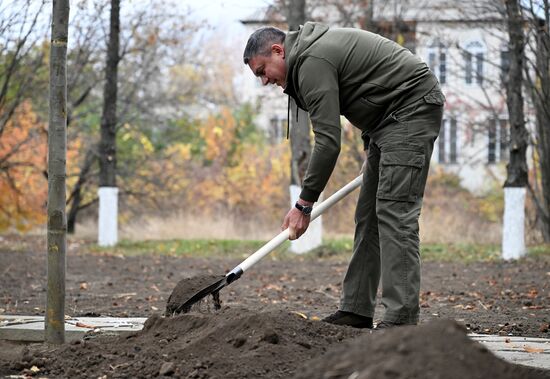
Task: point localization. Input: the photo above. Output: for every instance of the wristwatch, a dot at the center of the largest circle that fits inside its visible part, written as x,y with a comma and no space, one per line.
305,209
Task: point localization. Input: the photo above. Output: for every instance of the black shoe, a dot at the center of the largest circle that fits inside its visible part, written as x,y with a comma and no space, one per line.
350,319
388,325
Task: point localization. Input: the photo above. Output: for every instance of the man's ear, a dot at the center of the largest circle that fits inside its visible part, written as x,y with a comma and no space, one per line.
278,49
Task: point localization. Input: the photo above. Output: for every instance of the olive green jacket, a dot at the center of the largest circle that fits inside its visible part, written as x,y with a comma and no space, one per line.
349,72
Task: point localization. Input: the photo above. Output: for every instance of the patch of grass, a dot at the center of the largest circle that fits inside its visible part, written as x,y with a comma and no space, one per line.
191,247
539,251
434,252
340,248
460,252
337,248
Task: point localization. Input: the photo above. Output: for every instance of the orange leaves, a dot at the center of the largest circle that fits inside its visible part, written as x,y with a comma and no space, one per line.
233,171
219,134
23,186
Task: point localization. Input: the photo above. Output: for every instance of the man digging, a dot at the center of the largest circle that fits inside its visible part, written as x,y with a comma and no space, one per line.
394,99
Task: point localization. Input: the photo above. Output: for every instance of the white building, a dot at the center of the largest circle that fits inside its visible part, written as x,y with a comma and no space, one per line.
465,45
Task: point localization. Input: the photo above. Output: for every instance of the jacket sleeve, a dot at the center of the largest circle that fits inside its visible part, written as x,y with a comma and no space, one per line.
318,87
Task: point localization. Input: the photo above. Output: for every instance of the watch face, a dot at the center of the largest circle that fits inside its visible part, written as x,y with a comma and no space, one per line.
305,209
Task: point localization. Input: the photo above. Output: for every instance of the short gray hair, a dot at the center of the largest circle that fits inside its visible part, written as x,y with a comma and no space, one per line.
259,42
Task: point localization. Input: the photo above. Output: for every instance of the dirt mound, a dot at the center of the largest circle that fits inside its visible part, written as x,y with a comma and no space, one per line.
232,343
241,343
439,349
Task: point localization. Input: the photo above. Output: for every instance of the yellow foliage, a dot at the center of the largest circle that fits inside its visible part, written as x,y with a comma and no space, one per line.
23,186
229,175
181,150
219,133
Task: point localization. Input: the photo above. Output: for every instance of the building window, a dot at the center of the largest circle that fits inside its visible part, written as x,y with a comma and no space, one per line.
447,144
277,129
498,141
474,56
437,61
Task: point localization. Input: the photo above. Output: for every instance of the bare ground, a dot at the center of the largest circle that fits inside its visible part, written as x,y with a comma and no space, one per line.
267,304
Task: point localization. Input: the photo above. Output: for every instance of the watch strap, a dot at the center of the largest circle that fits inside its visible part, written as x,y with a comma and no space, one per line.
305,209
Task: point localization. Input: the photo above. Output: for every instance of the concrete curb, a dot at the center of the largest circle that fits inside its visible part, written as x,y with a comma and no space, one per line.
31,328
526,351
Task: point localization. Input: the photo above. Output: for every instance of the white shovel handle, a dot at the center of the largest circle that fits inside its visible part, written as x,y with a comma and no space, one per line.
283,236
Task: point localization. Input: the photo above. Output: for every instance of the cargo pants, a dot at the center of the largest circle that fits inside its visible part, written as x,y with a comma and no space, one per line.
386,242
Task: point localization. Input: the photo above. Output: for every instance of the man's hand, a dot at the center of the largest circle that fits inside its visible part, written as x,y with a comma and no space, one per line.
296,221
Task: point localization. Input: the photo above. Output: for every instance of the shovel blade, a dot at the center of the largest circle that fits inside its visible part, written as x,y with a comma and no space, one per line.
190,291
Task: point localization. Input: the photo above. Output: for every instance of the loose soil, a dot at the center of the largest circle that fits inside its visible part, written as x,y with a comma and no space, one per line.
267,326
190,291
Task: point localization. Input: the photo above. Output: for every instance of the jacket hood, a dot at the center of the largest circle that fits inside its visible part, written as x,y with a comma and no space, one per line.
296,43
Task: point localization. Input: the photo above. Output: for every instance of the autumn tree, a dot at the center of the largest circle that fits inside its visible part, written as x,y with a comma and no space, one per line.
22,159
150,45
22,29
22,168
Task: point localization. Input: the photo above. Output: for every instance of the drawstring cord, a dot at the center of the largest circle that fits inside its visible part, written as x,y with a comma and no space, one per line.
288,119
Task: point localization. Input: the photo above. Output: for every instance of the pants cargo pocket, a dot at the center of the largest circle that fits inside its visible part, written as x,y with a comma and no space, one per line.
400,175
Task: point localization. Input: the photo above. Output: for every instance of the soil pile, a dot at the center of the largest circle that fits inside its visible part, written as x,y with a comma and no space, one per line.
439,349
231,343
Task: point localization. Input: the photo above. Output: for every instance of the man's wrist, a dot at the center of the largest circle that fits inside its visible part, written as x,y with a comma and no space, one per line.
305,202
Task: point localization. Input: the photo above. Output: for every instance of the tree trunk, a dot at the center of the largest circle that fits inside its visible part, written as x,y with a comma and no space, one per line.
76,195
107,145
57,170
108,193
517,166
300,142
541,94
513,236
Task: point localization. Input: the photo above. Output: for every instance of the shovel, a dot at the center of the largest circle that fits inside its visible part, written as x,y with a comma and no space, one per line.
191,291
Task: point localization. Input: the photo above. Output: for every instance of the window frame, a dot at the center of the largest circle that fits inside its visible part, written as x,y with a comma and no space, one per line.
474,54
437,59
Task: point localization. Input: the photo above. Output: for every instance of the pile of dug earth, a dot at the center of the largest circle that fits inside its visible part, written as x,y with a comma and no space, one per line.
243,343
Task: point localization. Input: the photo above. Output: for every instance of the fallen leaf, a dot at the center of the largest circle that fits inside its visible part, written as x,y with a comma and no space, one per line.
83,286
530,349
300,314
82,325
533,293
154,287
35,369
154,308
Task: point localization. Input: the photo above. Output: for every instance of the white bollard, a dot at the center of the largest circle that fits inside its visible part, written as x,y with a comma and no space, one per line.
108,216
313,237
513,228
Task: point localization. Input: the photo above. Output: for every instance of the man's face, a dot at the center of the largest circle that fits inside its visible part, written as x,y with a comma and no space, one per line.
270,69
